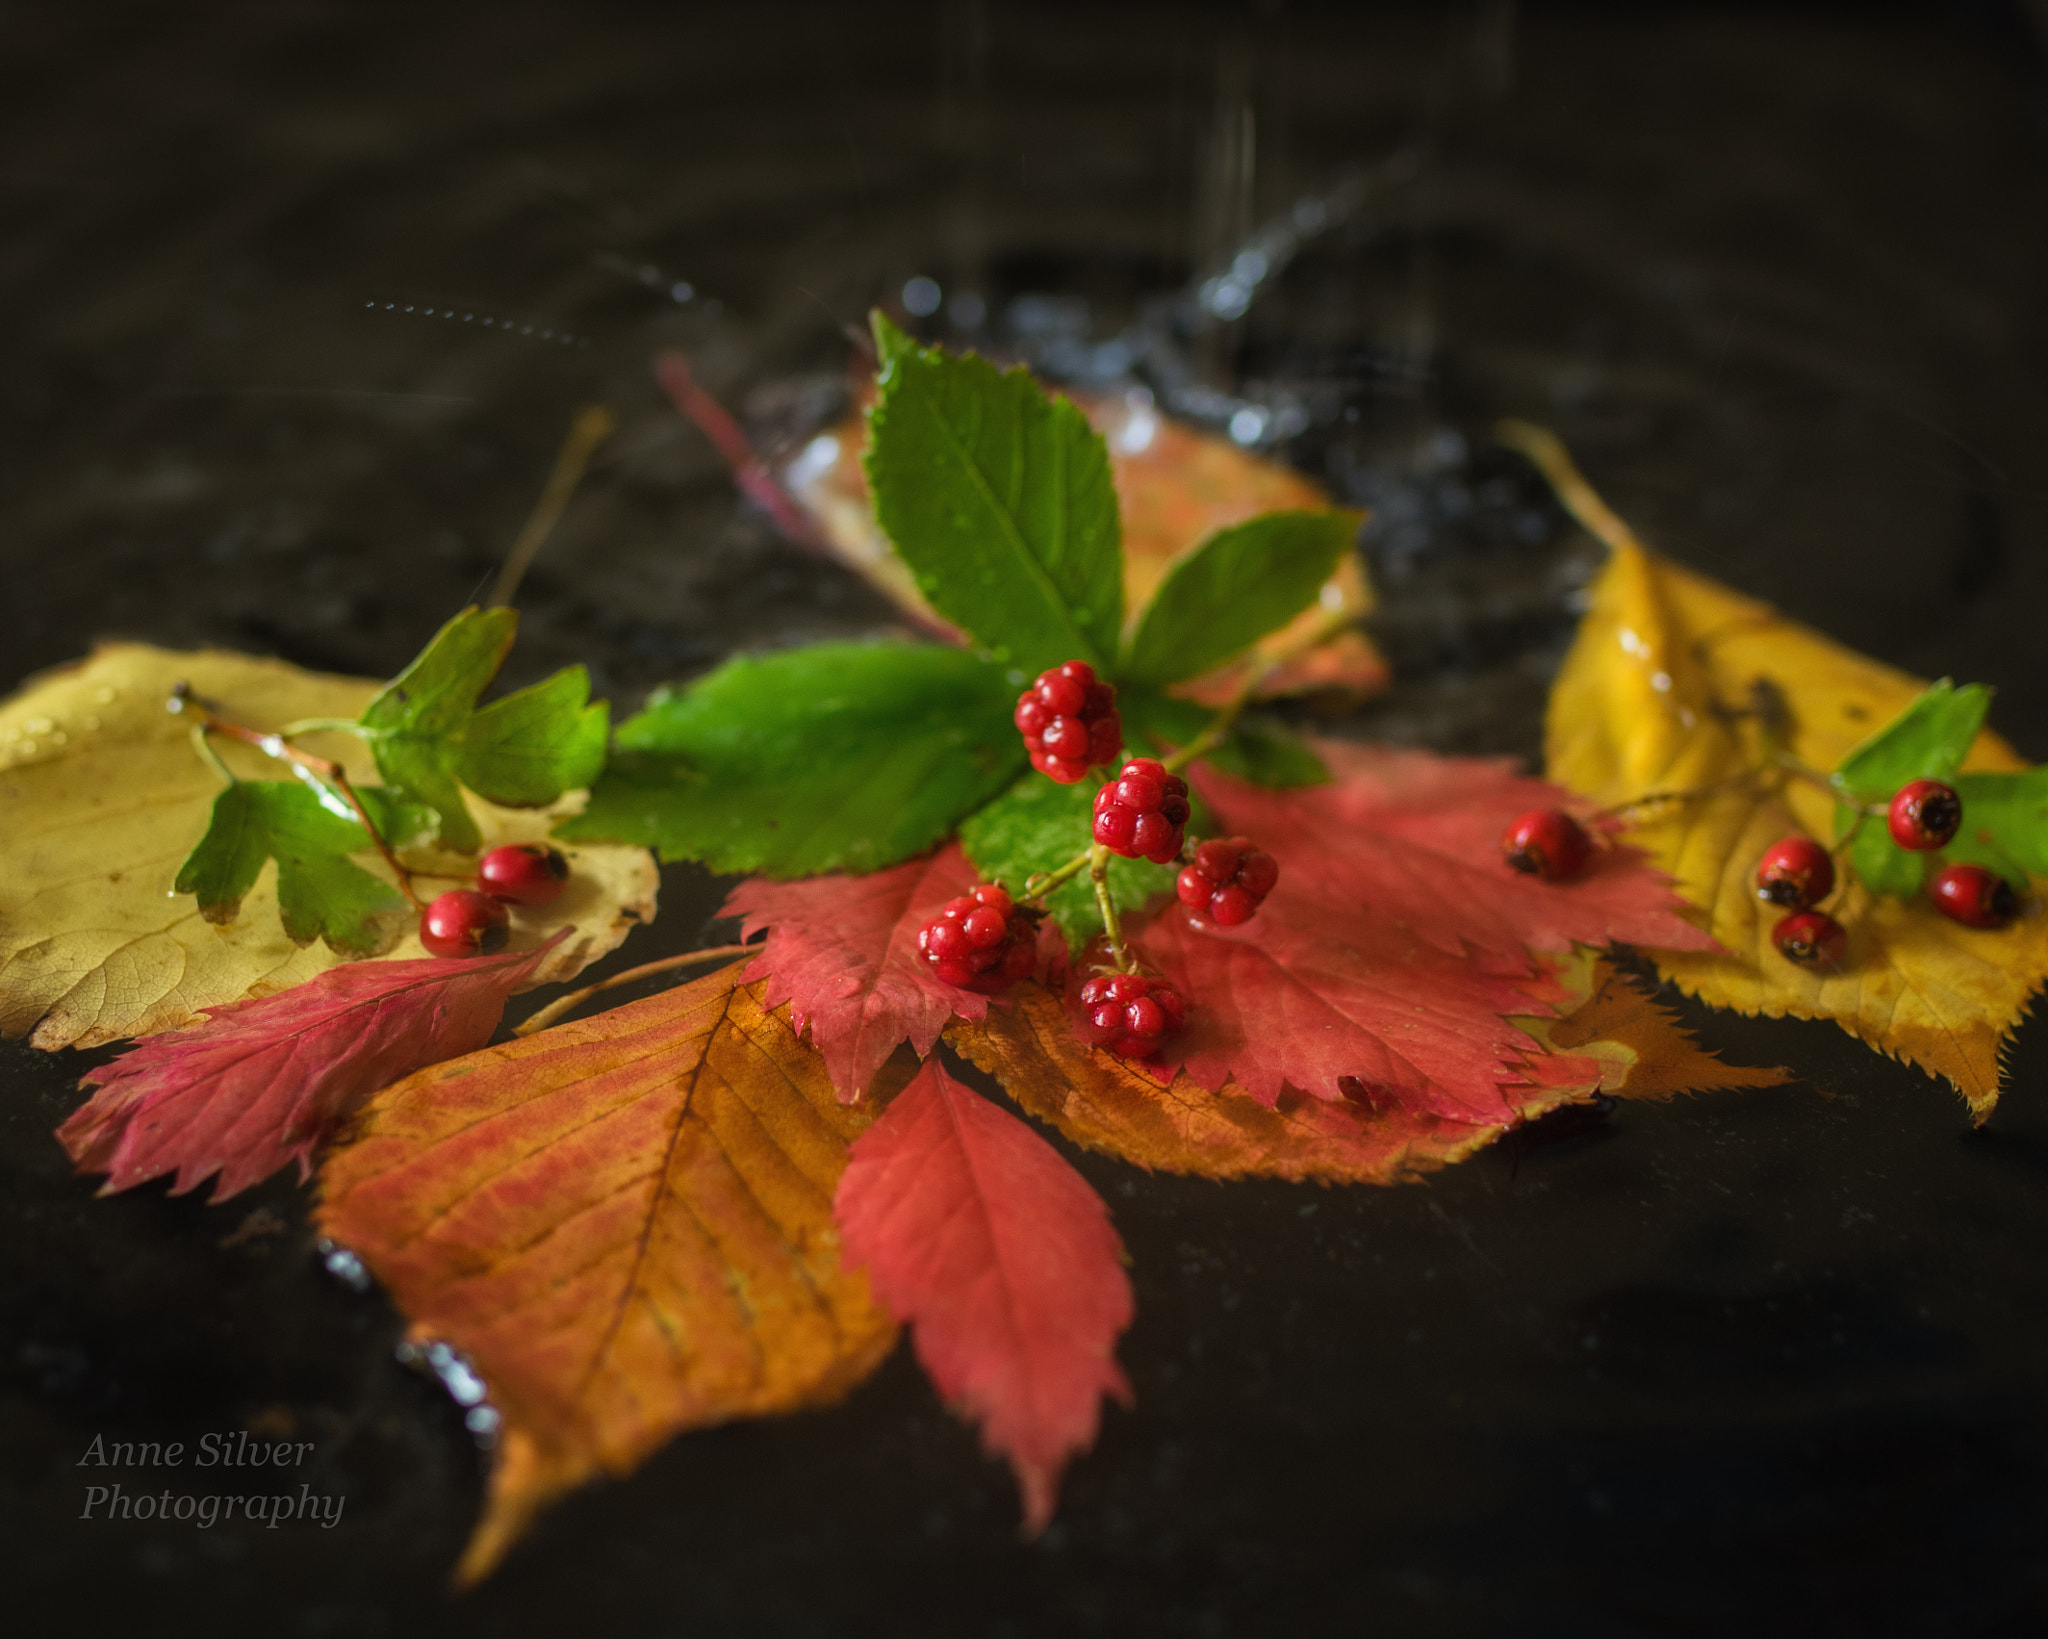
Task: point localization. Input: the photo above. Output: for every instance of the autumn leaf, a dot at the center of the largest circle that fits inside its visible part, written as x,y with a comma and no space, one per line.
261,1082
626,1223
1643,1052
1175,488
1606,1037
1003,1263
842,952
1669,687
102,800
1397,942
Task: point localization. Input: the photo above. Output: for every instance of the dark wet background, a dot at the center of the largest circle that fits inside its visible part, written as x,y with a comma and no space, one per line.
1769,1362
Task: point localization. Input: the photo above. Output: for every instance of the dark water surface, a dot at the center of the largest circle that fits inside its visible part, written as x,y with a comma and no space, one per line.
1766,1362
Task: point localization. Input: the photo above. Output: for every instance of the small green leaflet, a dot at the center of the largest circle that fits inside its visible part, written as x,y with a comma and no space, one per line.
320,893
525,750
840,757
999,500
1926,741
1258,749
1038,825
1237,586
2005,823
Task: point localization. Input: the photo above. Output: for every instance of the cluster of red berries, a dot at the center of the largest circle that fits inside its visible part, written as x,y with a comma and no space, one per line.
1143,812
1069,722
1227,880
474,921
1798,873
1131,1014
981,941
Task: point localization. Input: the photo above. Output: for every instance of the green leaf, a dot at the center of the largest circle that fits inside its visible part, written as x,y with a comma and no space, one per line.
2005,823
524,751
1926,741
1260,750
1038,825
999,500
527,749
320,893
845,756
1237,586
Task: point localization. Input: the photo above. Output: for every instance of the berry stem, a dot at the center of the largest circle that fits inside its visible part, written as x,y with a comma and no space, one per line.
320,770
1255,678
1037,887
562,1005
1098,871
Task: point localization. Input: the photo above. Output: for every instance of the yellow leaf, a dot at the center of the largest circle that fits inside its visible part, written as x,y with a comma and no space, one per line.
1175,487
626,1223
101,798
1660,694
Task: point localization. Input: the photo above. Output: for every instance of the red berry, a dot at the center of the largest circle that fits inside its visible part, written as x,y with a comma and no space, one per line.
1549,843
1131,1014
1227,880
981,941
463,922
1811,938
1973,896
1069,722
1924,814
1795,873
523,873
1143,812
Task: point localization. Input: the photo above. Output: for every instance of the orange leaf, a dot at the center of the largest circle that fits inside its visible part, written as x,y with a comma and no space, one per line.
1108,1104
626,1223
1646,1052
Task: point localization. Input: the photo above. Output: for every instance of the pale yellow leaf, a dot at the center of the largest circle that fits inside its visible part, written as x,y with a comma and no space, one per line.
102,796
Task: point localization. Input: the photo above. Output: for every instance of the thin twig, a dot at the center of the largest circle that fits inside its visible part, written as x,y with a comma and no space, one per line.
562,1005
594,423
322,768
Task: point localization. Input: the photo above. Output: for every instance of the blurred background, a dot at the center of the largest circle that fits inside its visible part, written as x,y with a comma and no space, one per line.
298,301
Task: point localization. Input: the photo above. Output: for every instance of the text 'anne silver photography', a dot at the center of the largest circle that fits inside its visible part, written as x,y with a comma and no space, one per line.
237,1451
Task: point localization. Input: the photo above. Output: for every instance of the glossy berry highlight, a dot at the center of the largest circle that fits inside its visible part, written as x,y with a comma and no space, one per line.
1069,722
1227,880
523,873
1131,1014
1143,812
1924,814
980,941
1795,873
463,922
1549,843
1811,939
1973,896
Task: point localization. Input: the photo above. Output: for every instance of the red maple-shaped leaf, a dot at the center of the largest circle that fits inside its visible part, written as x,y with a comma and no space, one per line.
842,951
1417,837
260,1082
1383,964
1002,1261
